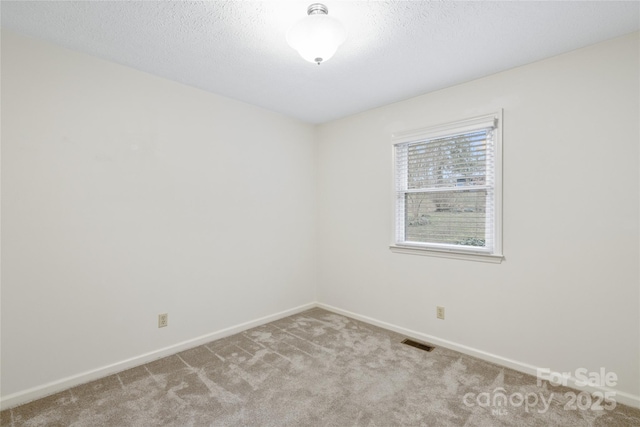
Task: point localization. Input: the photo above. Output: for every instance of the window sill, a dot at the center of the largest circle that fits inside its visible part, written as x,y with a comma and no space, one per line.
469,256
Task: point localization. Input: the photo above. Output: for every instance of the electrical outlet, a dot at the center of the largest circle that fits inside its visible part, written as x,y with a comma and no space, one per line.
163,320
440,312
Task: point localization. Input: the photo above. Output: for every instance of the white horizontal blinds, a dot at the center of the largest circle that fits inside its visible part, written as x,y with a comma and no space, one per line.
401,152
445,190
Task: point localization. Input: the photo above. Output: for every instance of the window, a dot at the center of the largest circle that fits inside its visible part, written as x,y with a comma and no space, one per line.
448,190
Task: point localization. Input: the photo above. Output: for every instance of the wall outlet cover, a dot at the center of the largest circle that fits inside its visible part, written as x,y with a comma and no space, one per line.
163,320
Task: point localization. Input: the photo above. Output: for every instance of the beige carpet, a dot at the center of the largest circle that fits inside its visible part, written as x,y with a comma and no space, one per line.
314,369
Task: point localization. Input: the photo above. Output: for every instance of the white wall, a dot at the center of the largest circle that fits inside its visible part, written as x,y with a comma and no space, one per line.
124,196
567,295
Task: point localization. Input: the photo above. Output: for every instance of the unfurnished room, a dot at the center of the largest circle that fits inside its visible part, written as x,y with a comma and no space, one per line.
343,213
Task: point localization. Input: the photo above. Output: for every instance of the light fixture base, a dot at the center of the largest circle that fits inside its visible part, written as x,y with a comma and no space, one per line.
317,9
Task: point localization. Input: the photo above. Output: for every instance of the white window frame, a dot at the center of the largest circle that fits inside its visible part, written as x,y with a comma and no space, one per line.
398,245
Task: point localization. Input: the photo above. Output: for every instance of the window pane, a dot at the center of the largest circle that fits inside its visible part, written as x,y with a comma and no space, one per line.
449,217
447,162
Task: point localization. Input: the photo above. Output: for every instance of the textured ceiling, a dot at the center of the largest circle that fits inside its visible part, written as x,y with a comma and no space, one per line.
395,49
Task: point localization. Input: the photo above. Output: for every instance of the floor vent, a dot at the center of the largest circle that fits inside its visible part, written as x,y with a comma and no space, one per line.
416,344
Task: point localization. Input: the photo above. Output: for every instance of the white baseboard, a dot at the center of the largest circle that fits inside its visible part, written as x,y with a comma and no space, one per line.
620,396
65,383
41,391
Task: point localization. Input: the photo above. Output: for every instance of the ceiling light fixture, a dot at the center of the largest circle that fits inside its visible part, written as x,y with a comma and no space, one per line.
316,37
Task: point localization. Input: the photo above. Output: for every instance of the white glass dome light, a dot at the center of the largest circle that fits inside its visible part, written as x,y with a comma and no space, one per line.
316,37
